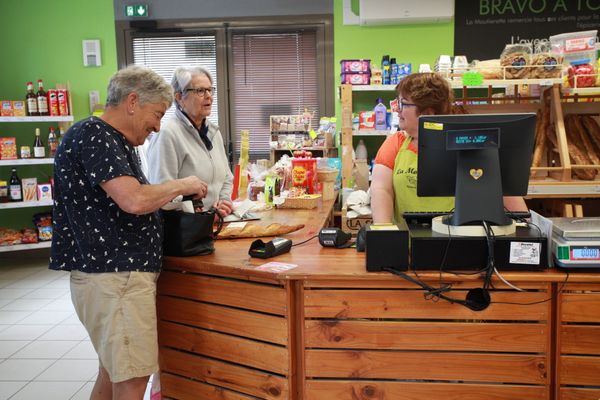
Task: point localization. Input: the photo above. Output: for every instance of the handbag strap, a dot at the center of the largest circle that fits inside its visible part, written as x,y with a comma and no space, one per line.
219,221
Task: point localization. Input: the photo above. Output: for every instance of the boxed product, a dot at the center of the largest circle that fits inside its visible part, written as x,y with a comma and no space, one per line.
355,66
8,148
43,223
53,102
63,101
18,108
44,191
356,78
29,186
366,120
6,110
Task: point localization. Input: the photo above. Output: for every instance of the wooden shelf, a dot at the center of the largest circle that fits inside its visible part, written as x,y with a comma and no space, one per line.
28,246
26,204
307,148
66,118
371,132
27,161
458,84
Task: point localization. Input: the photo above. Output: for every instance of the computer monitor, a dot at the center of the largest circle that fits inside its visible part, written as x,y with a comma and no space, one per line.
477,158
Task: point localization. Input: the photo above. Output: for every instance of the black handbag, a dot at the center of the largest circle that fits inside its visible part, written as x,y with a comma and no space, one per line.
187,234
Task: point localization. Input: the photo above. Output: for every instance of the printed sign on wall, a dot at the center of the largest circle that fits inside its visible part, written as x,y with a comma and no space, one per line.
483,27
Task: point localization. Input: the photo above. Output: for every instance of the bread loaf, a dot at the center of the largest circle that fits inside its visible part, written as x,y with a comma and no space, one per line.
252,230
593,130
540,140
577,151
587,144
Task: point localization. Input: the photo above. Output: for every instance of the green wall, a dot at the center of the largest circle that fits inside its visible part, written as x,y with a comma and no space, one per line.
42,40
415,44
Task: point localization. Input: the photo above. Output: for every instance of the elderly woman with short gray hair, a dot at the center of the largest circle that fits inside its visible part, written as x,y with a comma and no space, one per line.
189,144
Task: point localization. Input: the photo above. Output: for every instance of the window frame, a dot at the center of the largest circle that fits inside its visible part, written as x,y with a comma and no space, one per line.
223,31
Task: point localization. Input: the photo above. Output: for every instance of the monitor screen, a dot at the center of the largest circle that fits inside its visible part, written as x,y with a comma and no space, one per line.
477,158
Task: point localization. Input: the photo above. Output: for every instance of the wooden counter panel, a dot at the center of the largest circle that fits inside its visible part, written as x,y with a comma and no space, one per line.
376,390
394,304
580,307
176,387
393,282
578,370
245,380
260,297
580,339
247,352
245,323
432,335
509,368
579,394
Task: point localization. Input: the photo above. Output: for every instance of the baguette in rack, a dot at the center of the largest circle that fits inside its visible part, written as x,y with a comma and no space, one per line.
252,231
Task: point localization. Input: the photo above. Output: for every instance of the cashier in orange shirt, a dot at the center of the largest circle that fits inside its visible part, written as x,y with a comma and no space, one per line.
394,183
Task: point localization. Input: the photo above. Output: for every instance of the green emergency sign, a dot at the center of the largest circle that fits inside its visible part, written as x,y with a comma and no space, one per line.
136,10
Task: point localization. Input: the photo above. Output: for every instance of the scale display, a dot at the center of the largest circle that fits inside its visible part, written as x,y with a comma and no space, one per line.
585,253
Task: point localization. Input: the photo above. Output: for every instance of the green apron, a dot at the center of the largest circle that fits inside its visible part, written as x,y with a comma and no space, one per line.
404,183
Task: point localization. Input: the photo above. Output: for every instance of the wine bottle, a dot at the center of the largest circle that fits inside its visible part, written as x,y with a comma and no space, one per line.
52,143
38,146
42,100
15,191
31,100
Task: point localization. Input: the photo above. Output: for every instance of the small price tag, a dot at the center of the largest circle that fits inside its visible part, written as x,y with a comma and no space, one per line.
524,253
313,135
472,79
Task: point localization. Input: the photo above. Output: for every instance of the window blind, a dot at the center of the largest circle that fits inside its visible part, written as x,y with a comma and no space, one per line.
273,74
164,54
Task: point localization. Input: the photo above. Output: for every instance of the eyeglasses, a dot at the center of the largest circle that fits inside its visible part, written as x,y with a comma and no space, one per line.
202,91
402,104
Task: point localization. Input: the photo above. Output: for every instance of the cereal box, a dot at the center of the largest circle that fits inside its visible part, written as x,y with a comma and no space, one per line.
6,110
29,186
18,108
8,148
44,191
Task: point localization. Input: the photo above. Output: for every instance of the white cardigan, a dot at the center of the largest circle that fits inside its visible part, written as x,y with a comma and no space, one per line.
177,152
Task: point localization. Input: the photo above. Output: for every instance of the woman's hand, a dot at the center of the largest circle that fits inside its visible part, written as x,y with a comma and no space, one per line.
225,207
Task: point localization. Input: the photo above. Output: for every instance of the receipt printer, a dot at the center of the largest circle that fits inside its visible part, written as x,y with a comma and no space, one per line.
387,246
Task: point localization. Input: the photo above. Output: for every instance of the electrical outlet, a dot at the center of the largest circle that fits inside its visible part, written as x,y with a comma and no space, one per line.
94,100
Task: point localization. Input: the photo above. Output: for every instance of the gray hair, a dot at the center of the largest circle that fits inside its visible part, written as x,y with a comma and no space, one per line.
149,86
182,76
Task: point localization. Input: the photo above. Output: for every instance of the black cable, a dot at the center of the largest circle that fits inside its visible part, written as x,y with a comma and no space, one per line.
309,239
562,286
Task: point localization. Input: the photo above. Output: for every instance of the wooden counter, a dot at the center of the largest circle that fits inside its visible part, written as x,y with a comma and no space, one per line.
327,329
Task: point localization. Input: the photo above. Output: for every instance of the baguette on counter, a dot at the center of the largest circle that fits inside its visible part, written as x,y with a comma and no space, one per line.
253,231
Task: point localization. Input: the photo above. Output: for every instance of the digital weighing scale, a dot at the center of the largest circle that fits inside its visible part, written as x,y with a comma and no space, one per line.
576,242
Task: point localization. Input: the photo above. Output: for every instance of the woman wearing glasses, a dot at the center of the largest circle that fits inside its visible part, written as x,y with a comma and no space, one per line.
189,144
394,183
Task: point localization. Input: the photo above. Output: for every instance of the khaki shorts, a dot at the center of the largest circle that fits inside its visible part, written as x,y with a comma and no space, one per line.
118,310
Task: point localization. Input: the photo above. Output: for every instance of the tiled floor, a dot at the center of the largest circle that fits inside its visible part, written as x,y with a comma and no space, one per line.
45,352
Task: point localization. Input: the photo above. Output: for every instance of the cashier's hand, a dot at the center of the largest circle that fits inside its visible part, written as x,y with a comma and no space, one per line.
225,207
194,186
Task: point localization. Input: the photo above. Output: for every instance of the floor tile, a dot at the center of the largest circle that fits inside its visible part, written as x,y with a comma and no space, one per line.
14,293
85,392
45,318
72,320
24,332
4,302
29,284
25,304
59,283
69,370
22,370
82,351
47,293
10,347
45,349
59,305
12,317
63,332
47,274
48,390
7,389
6,282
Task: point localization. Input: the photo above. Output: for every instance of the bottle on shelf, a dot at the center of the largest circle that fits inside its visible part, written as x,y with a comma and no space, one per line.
15,191
38,146
380,111
31,100
52,143
42,99
385,69
361,151
61,135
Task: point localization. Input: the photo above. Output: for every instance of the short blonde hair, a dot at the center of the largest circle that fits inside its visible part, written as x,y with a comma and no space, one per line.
427,90
149,86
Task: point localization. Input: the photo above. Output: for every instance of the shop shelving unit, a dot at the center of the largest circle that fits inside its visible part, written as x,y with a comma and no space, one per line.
64,122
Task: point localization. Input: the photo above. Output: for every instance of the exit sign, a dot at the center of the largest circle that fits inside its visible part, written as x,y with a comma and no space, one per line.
136,10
